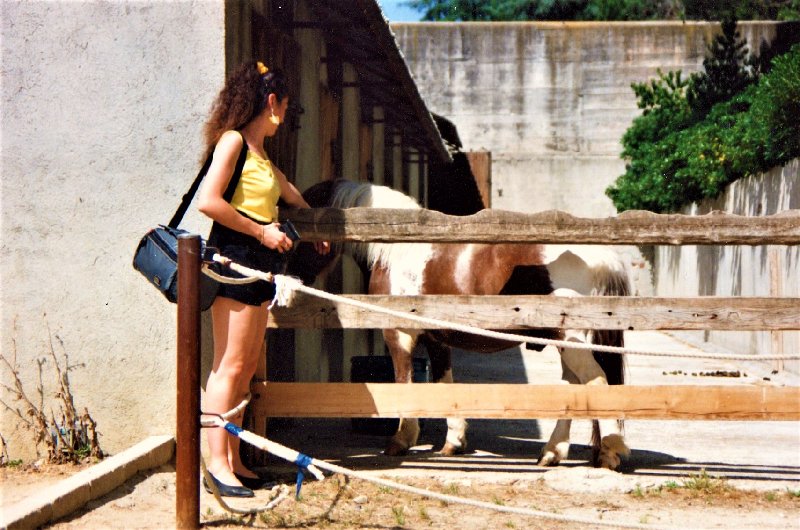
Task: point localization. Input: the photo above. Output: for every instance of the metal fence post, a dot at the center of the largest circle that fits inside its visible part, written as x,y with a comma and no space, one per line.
187,451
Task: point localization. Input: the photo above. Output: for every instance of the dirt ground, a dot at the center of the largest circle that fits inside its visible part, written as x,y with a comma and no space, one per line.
680,474
696,501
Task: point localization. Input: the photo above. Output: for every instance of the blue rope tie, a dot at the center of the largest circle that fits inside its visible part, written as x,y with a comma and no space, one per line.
233,429
302,461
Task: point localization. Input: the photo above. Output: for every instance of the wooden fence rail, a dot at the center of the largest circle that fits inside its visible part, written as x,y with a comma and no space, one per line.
498,226
735,402
519,312
517,401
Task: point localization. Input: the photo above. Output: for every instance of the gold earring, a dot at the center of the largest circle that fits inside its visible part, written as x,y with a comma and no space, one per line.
273,118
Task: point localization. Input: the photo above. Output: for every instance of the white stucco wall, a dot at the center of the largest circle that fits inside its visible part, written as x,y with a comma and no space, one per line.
734,270
102,112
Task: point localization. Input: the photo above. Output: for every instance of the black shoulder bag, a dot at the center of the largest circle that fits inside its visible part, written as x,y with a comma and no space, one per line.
156,256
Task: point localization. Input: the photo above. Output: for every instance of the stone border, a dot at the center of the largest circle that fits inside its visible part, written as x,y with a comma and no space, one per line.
63,498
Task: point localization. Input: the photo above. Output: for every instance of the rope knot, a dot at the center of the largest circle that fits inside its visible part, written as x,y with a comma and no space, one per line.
285,289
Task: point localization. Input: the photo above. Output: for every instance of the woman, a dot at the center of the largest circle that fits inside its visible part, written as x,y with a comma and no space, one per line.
250,108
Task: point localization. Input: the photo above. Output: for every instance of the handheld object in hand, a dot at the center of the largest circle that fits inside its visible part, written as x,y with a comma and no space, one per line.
291,232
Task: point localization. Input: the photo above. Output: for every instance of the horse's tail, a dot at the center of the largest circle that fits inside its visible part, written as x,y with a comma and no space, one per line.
611,278
613,364
613,281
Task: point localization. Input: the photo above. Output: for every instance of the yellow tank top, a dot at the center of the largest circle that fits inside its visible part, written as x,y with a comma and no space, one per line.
258,190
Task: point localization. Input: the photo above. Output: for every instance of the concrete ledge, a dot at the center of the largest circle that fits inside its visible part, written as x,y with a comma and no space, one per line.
65,497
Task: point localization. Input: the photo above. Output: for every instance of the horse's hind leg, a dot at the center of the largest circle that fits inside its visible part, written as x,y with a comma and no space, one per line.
583,366
557,447
588,372
442,372
401,345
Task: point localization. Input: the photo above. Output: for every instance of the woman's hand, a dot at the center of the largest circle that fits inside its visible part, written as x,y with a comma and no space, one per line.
272,237
322,247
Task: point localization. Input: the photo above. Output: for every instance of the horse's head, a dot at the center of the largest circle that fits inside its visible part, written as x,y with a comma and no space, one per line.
319,195
305,262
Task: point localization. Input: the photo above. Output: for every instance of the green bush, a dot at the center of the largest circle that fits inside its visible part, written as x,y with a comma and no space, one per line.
674,159
778,104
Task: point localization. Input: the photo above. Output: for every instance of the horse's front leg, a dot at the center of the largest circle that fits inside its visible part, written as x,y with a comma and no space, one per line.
582,363
401,347
456,441
442,372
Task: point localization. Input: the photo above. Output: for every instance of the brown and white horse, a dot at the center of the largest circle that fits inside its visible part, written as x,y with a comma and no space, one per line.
451,268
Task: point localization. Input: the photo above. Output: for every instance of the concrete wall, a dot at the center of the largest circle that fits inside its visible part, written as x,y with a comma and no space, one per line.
739,270
102,109
550,100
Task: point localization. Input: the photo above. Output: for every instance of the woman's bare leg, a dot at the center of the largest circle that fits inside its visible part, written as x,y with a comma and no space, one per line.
238,336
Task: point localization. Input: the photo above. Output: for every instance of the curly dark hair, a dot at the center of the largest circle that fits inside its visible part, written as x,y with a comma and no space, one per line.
241,99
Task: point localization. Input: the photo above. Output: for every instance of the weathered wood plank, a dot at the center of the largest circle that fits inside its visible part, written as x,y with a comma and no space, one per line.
499,226
519,312
513,401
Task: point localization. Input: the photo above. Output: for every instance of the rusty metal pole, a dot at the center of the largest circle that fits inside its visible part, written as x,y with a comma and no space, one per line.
187,438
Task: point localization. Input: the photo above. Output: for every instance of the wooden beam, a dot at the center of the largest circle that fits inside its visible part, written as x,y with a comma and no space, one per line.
514,401
498,226
384,41
521,312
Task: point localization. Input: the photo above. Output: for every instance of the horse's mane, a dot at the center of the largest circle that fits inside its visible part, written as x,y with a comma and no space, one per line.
349,194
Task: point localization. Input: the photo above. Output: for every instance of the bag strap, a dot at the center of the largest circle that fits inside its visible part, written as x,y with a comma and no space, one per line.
229,191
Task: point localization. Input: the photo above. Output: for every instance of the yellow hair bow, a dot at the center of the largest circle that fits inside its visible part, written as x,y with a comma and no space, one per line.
262,69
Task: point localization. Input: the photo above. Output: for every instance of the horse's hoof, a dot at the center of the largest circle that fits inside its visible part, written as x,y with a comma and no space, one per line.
452,450
611,447
609,461
395,449
549,459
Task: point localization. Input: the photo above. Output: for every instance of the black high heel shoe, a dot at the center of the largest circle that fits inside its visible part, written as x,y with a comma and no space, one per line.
255,483
226,490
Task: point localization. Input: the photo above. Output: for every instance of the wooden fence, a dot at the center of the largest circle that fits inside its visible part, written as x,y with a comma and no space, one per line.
500,400
740,402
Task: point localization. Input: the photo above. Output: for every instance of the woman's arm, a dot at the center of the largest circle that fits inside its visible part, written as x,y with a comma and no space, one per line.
212,203
289,192
293,197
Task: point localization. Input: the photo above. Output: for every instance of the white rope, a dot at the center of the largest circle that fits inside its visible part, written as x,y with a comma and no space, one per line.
227,415
287,286
289,283
280,495
251,274
211,273
291,456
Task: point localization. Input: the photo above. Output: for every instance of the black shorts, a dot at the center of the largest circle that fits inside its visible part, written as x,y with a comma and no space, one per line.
246,250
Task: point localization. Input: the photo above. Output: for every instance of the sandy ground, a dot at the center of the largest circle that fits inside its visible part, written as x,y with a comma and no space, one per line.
680,474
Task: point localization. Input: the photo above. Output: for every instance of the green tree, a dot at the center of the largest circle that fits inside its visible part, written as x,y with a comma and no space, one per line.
508,10
742,9
632,10
474,10
672,159
726,71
